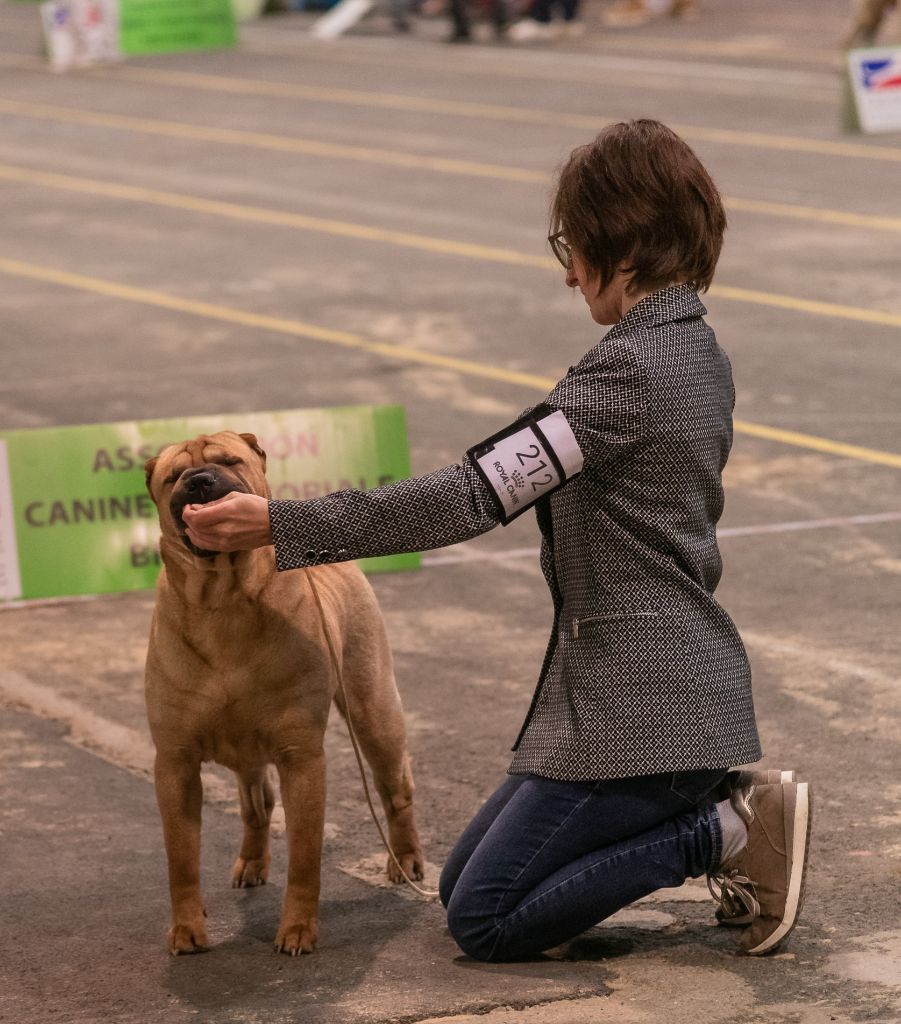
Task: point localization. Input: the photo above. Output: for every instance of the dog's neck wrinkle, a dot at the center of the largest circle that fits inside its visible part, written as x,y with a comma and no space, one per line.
215,582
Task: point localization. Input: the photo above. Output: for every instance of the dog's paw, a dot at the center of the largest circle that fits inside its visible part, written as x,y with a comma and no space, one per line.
248,873
413,864
296,938
188,937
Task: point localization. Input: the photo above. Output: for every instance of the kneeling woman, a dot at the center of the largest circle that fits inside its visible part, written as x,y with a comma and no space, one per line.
620,783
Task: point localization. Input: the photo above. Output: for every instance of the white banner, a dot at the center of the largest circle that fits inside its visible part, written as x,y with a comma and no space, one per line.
10,582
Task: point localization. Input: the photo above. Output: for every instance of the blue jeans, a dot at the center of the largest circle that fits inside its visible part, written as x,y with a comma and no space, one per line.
544,860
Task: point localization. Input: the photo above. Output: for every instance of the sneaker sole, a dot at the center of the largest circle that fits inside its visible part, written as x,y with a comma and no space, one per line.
769,777
795,897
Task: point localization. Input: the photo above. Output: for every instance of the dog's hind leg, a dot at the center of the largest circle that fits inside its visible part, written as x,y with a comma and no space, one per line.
257,800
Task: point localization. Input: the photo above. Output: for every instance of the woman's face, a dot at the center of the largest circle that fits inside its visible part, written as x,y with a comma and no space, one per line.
607,305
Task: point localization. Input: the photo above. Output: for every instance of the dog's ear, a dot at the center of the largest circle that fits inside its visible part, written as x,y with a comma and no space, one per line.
149,467
251,441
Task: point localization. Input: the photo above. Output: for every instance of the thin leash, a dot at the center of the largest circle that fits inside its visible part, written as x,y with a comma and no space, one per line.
355,744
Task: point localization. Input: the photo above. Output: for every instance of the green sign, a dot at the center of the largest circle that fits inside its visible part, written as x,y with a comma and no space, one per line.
76,518
169,26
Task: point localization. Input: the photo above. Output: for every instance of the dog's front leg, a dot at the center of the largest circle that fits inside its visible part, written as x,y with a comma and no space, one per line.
302,778
179,795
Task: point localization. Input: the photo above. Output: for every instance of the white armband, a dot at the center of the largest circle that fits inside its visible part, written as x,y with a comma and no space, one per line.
527,460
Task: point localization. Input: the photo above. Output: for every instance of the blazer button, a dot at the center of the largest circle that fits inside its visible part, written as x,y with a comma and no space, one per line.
325,554
342,552
309,555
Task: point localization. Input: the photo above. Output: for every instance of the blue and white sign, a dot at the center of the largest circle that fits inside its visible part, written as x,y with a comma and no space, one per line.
876,85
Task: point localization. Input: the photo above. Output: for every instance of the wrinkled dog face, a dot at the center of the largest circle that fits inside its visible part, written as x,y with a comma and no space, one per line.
198,471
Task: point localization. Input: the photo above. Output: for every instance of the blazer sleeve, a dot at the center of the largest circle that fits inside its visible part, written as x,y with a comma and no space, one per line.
444,507
604,399
604,405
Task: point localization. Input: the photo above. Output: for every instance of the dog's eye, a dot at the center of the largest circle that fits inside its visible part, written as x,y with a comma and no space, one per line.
172,477
231,461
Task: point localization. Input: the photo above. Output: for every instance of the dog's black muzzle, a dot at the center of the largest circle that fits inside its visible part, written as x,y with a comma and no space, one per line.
197,487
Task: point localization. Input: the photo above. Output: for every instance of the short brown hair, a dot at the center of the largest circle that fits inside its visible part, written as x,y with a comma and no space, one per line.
638,195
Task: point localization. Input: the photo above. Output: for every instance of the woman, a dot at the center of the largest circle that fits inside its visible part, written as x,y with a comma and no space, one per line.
619,783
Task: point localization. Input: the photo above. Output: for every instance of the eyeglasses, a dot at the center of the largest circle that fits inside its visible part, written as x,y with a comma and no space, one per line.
561,249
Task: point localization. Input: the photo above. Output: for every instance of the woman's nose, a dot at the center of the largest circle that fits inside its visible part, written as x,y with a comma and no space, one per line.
570,279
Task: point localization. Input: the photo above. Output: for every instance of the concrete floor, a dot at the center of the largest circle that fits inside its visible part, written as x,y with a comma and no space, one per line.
426,146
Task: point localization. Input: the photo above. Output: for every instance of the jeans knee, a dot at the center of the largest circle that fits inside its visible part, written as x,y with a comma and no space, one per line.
446,884
474,931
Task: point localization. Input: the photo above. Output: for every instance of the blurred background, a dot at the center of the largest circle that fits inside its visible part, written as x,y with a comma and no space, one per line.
333,206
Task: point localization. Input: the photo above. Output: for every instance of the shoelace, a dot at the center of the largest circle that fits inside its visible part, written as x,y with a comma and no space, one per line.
736,893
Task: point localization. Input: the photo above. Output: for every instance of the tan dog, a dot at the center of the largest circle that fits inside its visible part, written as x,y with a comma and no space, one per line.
238,672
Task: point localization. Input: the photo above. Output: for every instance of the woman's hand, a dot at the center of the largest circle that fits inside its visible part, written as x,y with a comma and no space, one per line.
235,522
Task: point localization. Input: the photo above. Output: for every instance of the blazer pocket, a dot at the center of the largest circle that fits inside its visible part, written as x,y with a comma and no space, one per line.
588,622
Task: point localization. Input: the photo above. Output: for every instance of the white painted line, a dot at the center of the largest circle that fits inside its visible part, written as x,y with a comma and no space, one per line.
649,65
459,553
48,602
118,744
526,61
828,663
810,524
125,747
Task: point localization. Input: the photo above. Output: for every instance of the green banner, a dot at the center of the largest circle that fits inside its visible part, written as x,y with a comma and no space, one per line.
169,26
76,518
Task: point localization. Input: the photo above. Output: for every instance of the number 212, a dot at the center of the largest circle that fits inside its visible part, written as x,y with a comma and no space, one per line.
522,456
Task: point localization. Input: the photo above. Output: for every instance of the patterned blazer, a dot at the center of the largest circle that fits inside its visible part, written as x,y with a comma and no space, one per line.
644,671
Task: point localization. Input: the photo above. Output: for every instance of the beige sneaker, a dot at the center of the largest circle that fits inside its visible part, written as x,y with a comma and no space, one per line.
768,875
530,31
737,904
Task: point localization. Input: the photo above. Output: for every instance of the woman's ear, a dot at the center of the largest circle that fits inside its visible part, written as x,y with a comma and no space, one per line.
626,268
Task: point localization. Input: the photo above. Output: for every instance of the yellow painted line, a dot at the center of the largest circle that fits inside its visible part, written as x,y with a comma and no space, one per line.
286,143
444,246
312,332
278,218
263,215
632,42
598,76
787,143
279,325
793,211
819,444
829,309
638,78
266,140
498,112
361,98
